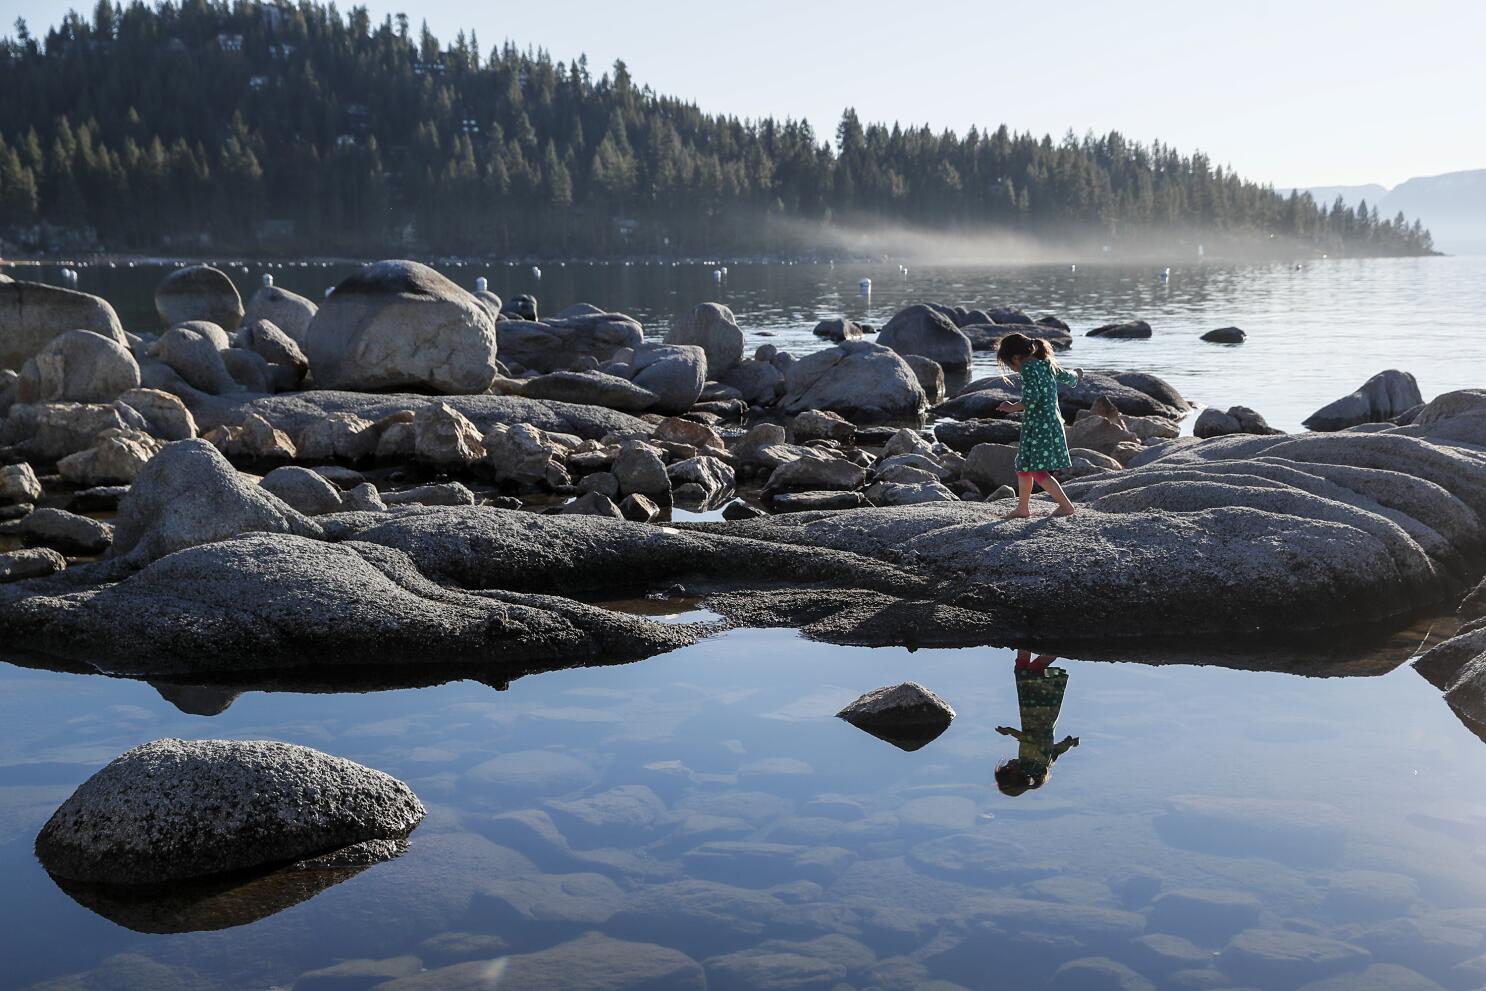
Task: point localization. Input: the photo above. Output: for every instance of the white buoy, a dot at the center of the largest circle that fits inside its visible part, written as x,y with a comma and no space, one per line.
329,290
481,284
536,273
1200,251
865,285
1072,269
267,282
1165,274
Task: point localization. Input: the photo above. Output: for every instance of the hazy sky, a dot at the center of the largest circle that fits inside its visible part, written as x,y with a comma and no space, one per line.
1295,93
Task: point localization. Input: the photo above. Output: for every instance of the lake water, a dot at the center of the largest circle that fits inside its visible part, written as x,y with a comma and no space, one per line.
1315,332
732,811
707,803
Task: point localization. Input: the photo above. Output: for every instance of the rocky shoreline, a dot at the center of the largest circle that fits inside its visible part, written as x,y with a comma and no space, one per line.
412,474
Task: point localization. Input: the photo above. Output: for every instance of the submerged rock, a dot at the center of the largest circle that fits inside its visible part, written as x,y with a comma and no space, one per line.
176,809
908,716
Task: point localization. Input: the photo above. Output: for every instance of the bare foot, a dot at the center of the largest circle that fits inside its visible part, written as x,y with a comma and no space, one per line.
1070,511
1018,514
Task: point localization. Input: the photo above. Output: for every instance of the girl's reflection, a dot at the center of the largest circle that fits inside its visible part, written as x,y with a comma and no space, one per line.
1039,695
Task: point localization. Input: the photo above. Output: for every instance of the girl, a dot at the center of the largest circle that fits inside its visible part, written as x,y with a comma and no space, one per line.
1044,446
1039,695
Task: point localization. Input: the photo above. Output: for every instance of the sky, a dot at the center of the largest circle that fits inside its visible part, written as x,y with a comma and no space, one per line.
1301,93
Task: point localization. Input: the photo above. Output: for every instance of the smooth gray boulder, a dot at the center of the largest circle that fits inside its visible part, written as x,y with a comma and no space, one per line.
189,494
930,376
274,345
713,328
558,344
175,809
30,562
675,374
922,330
67,532
304,490
759,383
817,474
195,357
288,311
400,324
594,388
861,380
1238,420
78,366
199,292
1380,398
32,314
251,372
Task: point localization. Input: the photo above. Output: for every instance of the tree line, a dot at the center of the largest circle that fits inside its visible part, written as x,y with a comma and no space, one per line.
255,126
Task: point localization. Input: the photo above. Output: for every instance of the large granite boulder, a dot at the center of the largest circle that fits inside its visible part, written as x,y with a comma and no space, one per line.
189,494
199,292
558,344
713,328
674,373
175,809
922,330
595,388
1130,393
1379,399
271,343
78,366
288,311
401,325
195,356
116,457
32,314
863,381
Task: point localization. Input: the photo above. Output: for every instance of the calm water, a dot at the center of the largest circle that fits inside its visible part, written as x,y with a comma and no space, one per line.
1316,332
1346,808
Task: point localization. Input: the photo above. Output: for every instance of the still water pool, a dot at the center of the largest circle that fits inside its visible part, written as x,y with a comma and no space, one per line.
1213,828
1316,332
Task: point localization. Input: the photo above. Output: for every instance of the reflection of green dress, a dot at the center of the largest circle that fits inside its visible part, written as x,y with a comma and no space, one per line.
1044,446
1039,695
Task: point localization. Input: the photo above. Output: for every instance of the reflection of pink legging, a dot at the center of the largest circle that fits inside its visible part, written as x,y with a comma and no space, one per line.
1036,476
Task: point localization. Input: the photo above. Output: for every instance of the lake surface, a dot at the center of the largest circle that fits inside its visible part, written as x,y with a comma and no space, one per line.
1315,332
709,802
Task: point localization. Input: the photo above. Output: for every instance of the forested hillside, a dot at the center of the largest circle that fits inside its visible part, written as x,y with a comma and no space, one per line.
263,127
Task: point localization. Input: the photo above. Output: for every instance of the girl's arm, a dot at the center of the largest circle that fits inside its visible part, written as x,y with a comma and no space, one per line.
1062,748
1065,377
1012,407
1008,731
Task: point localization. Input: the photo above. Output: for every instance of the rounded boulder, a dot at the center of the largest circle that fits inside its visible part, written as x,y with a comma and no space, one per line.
402,325
199,292
174,809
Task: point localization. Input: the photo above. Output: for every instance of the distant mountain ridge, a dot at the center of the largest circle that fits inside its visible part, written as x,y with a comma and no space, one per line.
1452,205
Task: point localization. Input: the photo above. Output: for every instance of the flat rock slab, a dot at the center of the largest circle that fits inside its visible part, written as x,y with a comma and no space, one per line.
588,963
176,809
1280,958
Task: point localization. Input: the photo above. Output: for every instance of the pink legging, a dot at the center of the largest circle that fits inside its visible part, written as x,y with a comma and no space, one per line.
1036,476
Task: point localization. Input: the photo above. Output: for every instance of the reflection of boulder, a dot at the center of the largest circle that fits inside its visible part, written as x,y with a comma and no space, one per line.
208,904
908,716
197,700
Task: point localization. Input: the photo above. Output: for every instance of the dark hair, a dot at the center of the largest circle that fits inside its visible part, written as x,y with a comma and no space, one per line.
1013,779
1015,345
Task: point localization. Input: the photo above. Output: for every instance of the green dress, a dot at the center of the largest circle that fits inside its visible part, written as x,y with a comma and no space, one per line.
1039,696
1044,446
